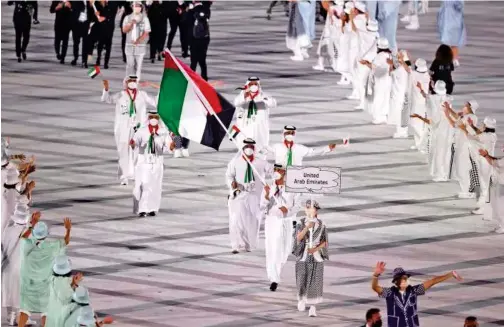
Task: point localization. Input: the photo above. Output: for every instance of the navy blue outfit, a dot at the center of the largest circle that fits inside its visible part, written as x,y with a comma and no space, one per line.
402,309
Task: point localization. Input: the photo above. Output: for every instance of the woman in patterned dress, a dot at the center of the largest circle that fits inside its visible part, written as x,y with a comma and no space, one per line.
310,249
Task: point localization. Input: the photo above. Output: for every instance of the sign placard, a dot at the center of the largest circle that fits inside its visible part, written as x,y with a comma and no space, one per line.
315,180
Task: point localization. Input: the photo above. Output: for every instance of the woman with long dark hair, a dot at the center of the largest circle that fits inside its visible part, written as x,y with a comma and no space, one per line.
441,68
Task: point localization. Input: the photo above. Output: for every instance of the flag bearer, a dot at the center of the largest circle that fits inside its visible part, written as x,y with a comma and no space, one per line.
281,208
131,108
244,201
152,141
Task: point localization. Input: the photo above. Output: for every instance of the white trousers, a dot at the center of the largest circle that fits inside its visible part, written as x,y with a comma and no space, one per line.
494,210
278,244
134,64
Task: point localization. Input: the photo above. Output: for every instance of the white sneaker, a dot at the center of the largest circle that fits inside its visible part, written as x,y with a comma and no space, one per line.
413,24
353,97
440,179
478,211
379,122
463,195
297,58
318,67
12,319
413,147
301,306
312,312
499,230
406,19
124,181
177,153
343,81
304,53
185,153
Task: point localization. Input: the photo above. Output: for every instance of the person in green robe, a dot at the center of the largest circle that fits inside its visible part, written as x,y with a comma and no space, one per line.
37,257
61,289
72,311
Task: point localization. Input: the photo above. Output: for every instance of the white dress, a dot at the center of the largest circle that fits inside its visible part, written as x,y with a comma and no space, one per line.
149,169
382,87
328,47
125,125
356,49
400,85
441,138
11,265
343,61
494,209
255,124
461,161
368,52
244,211
419,129
9,197
278,229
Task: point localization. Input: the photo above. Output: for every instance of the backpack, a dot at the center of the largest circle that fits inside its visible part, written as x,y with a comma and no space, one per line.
201,29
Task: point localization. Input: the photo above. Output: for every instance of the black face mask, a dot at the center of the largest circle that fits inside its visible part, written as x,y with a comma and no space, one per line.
377,324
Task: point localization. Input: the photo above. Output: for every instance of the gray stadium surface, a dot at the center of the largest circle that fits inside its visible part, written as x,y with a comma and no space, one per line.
177,269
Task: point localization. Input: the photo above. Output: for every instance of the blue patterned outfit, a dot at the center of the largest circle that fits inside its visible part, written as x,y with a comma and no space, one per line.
450,22
402,308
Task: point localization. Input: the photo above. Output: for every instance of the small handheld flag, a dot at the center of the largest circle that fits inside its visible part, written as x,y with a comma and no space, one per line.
346,141
93,72
234,131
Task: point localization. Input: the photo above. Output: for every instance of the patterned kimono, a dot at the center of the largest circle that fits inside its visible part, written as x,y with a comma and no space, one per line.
450,22
297,36
402,308
310,267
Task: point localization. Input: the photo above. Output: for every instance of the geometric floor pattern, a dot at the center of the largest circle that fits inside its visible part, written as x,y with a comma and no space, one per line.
177,269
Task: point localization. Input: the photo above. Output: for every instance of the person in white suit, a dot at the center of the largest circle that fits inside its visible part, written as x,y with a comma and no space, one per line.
495,208
244,200
280,208
420,76
254,107
130,112
290,153
152,140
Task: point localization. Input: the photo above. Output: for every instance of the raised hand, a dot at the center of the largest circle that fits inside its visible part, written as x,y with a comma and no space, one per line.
106,84
483,152
380,268
77,278
457,276
35,218
67,223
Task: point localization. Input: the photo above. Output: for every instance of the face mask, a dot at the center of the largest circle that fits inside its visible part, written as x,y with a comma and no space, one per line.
377,323
277,175
248,151
153,122
137,10
254,88
289,137
132,85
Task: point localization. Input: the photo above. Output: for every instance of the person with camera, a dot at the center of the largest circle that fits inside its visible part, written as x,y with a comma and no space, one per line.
280,208
137,26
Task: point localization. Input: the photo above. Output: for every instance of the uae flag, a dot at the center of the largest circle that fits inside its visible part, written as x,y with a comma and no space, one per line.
190,107
93,72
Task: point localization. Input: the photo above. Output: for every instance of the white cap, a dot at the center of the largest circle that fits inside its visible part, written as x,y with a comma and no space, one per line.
405,55
360,6
490,122
21,214
12,176
349,5
440,87
474,105
383,43
372,26
40,230
81,295
86,316
340,2
61,265
348,10
421,65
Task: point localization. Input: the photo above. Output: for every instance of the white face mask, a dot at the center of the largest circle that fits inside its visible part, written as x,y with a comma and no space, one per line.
277,175
137,10
254,88
289,137
248,151
153,122
132,85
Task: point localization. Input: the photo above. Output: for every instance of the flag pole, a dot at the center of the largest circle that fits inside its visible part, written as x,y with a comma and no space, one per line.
209,108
